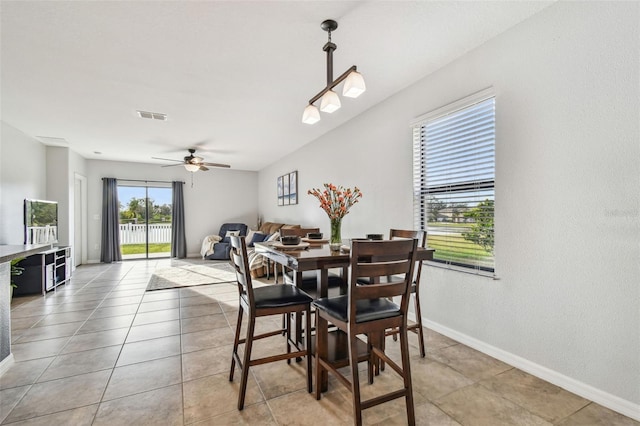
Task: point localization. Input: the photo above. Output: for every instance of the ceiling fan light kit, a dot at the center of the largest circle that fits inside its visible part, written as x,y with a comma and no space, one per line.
193,163
329,101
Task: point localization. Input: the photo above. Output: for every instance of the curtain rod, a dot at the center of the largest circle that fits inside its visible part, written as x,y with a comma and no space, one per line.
147,181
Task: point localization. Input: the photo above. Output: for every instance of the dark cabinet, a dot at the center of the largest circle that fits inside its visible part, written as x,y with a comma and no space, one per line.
44,271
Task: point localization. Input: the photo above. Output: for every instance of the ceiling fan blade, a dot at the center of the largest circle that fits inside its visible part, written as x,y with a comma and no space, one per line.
203,168
216,165
166,159
172,165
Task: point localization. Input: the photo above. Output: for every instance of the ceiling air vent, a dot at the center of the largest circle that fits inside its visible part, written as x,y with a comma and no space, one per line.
152,115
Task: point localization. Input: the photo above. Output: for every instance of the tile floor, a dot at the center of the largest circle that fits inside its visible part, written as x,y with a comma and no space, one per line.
102,351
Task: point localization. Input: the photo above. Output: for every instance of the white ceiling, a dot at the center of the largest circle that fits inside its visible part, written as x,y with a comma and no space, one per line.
232,76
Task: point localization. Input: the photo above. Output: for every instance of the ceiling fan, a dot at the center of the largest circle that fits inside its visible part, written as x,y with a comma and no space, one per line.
192,162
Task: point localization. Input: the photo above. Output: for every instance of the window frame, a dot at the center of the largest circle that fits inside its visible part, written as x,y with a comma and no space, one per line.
421,188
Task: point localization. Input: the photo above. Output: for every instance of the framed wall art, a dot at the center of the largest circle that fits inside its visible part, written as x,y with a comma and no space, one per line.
288,189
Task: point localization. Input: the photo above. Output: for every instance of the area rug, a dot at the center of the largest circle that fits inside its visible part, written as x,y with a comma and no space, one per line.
191,275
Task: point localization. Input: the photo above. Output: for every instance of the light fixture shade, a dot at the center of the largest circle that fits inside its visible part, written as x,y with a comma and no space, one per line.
354,85
311,115
192,167
330,102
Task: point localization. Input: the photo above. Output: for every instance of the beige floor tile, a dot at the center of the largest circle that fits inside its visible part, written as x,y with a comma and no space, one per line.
78,391
24,373
159,305
119,301
9,398
476,405
253,415
539,397
157,316
62,318
200,310
82,416
454,385
206,362
48,332
99,339
434,380
153,331
425,414
38,349
83,362
102,324
213,395
156,407
114,311
279,378
143,376
597,415
148,350
471,363
76,306
205,322
206,339
153,296
302,408
24,323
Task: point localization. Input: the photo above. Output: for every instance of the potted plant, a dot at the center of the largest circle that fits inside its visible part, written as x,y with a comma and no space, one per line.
15,271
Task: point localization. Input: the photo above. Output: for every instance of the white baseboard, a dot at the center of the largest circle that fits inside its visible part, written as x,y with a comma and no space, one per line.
5,364
598,396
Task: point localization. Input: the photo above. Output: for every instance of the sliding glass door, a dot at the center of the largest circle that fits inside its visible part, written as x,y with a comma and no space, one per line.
145,221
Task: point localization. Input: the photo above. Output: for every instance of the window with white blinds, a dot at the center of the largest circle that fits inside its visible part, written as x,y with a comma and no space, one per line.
454,178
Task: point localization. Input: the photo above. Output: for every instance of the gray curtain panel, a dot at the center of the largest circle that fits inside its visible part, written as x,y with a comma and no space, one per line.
110,227
178,237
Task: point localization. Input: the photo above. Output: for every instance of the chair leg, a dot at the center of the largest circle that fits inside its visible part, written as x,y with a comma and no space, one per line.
321,346
355,380
287,325
419,321
247,360
406,370
307,341
235,344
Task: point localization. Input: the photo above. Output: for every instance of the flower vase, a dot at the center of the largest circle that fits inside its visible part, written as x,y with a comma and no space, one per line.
336,238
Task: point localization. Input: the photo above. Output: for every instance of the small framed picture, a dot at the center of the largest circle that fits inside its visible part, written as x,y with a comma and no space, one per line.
293,187
288,189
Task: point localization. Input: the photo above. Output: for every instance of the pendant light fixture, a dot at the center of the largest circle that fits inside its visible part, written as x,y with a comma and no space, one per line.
329,100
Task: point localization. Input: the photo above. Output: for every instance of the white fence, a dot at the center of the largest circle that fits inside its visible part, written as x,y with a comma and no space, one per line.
131,233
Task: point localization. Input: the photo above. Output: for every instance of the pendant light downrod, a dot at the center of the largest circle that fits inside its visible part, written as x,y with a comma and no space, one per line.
354,85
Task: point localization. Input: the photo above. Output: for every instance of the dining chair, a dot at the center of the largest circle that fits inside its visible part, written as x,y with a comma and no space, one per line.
309,278
260,302
417,328
367,309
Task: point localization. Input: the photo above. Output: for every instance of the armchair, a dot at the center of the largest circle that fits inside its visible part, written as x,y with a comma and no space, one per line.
222,249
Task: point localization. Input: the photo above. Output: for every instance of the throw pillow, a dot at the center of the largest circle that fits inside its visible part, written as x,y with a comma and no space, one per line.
274,237
257,238
232,234
229,234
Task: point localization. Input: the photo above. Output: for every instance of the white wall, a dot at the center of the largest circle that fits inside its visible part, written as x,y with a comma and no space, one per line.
19,180
217,196
567,304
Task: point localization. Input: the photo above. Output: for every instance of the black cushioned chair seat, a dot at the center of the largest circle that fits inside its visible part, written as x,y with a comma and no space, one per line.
279,295
367,310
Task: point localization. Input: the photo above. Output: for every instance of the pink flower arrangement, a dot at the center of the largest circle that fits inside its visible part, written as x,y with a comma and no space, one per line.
336,200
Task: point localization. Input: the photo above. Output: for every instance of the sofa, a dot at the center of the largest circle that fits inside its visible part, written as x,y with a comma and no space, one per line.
258,264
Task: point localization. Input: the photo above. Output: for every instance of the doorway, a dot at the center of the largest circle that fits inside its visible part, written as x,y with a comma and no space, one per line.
145,221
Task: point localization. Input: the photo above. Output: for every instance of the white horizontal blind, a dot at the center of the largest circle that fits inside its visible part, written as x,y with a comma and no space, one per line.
454,177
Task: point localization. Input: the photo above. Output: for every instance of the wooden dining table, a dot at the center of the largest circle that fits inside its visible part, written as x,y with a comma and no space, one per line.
318,257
